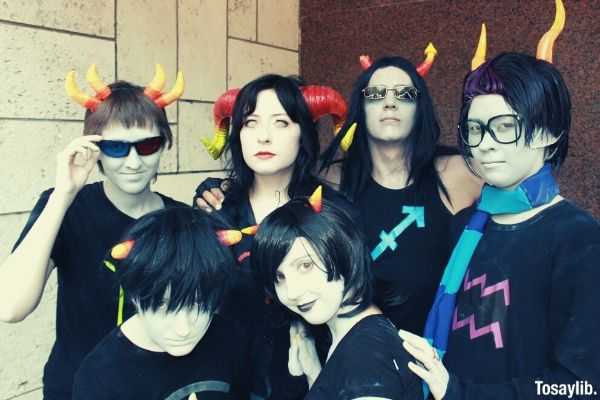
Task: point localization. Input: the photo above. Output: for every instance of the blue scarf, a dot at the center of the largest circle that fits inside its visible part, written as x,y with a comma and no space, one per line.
537,190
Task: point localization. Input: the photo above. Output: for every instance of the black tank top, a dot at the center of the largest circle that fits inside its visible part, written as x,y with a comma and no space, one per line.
408,235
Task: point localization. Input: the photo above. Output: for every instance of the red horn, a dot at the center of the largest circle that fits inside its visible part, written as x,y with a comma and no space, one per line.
223,107
323,100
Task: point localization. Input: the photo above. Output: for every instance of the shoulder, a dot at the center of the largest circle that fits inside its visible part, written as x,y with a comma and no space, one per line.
374,363
99,364
462,185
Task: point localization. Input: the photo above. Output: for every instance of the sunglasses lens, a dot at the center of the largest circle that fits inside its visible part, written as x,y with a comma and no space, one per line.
374,92
149,146
114,148
406,93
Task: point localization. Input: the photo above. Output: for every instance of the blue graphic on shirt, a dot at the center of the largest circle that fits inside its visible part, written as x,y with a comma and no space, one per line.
414,214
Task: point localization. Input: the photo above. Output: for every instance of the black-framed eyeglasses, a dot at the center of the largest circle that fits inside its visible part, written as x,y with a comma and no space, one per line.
401,92
505,129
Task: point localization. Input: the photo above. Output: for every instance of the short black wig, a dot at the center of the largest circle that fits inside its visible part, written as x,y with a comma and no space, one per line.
334,237
534,89
176,251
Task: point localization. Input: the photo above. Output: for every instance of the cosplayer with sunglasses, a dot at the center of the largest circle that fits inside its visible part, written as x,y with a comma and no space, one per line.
405,186
274,148
313,260
73,225
176,274
516,313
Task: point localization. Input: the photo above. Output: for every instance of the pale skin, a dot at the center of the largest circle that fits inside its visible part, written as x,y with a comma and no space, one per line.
23,274
501,165
390,168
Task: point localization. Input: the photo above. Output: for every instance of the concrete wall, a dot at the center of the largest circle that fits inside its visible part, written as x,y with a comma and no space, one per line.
217,43
334,36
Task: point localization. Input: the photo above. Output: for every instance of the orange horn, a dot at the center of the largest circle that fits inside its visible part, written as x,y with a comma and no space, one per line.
75,93
102,90
365,61
479,56
316,199
544,48
172,95
430,53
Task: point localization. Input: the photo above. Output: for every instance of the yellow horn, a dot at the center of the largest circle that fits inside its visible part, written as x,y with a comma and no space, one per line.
544,48
348,137
216,146
77,94
102,90
157,83
173,94
479,57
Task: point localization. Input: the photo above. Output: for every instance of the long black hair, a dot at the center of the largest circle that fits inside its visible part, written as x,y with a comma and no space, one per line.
421,146
288,90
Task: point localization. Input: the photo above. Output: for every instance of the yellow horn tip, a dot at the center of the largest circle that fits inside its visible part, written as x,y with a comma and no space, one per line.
430,49
348,137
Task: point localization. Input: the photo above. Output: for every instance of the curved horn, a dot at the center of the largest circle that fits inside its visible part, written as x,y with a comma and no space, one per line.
544,48
348,137
479,56
102,90
365,61
173,94
323,100
430,53
222,110
156,85
89,102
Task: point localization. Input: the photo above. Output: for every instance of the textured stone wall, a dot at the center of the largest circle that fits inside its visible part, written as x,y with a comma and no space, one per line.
333,36
218,44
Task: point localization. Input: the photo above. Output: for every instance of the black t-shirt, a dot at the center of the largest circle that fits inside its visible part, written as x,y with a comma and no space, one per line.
408,235
86,308
528,308
368,361
264,319
118,369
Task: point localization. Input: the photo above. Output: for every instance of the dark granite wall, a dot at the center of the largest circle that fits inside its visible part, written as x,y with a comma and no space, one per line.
335,32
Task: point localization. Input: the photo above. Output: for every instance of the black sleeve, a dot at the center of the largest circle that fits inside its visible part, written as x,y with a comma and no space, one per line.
33,217
207,184
88,384
574,325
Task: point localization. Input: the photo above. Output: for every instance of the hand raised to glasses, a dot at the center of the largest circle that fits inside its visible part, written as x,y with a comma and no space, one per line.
75,163
303,358
431,368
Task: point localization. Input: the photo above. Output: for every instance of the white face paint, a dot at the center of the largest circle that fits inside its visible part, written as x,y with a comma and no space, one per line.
503,165
175,332
131,174
390,119
270,139
302,285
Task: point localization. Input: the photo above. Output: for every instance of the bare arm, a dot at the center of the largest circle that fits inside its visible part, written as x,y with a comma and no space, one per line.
462,185
24,273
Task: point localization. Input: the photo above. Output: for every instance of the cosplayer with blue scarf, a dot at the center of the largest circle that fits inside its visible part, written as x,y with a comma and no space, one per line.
514,316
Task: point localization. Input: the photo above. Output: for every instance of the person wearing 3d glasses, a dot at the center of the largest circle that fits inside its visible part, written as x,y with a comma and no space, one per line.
516,313
74,224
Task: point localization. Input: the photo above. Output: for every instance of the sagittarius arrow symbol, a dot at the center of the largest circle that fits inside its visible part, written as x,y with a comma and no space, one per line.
388,240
